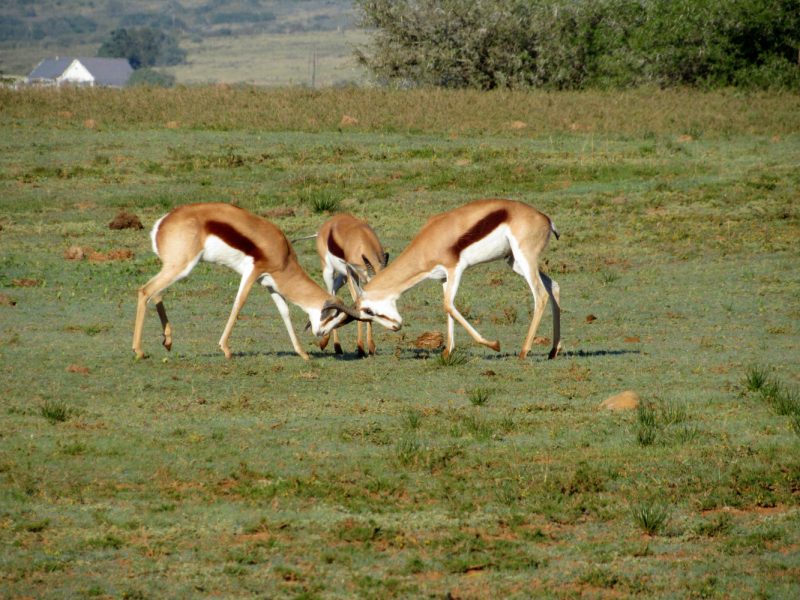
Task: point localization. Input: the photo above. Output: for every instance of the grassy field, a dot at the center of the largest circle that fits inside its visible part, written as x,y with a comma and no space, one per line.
186,475
273,59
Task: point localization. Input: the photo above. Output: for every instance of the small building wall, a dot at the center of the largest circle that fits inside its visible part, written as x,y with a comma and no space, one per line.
76,73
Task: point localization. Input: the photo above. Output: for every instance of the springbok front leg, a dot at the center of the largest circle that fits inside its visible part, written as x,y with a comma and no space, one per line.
451,288
283,308
244,289
333,283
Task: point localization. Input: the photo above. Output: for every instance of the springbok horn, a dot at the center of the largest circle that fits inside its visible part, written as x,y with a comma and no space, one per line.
370,268
352,311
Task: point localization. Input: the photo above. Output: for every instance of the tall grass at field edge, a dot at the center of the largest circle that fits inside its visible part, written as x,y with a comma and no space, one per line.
222,107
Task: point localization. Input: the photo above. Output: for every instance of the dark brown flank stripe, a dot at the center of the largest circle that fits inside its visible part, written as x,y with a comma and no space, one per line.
480,230
234,239
335,248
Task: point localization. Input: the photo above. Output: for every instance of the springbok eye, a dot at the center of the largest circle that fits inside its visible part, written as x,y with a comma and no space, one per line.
368,311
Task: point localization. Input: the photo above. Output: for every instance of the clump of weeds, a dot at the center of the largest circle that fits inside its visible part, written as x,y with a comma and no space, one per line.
55,411
651,516
453,359
479,396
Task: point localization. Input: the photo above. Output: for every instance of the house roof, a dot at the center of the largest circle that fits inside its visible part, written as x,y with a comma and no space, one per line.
51,68
106,71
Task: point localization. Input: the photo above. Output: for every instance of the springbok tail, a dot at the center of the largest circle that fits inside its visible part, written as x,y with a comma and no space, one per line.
308,237
554,230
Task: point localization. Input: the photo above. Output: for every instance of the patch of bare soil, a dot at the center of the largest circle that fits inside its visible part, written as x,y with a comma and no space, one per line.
78,369
277,213
99,257
25,282
6,300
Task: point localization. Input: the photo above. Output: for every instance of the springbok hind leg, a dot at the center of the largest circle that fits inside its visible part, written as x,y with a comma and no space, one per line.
539,299
165,326
555,295
153,289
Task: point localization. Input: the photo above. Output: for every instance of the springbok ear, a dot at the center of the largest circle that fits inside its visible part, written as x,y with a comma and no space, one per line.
385,260
354,282
368,265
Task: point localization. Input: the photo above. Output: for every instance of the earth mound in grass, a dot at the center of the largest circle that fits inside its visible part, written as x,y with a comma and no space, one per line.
125,219
625,401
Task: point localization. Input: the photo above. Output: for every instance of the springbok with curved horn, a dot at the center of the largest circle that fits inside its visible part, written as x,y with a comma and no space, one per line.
450,243
253,247
344,240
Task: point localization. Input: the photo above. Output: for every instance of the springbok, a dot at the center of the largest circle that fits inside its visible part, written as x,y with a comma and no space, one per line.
343,240
450,243
253,247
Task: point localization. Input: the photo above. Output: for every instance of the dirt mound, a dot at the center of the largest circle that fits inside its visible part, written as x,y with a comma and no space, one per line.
75,253
25,282
125,220
6,300
277,213
591,318
99,257
541,341
78,369
430,340
625,401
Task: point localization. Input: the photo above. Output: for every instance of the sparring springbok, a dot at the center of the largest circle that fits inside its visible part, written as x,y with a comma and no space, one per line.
450,243
343,240
253,247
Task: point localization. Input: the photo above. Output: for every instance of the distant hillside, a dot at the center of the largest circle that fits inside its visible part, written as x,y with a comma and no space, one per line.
34,29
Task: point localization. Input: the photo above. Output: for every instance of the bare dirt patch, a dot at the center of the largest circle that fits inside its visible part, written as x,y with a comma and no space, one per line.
25,282
277,213
6,300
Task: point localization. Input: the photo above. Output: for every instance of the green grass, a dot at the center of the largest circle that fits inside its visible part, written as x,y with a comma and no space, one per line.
186,474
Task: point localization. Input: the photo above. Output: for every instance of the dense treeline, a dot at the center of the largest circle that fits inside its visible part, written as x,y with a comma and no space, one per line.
143,47
561,44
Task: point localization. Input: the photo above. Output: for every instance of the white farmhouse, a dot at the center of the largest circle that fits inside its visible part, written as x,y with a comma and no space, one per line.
82,71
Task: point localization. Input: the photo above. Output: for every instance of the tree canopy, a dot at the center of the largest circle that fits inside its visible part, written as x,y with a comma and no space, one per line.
143,47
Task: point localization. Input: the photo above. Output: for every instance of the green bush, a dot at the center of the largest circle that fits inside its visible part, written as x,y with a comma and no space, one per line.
150,77
573,45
